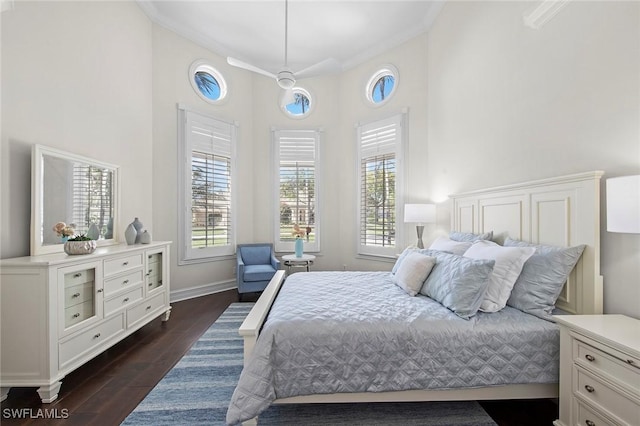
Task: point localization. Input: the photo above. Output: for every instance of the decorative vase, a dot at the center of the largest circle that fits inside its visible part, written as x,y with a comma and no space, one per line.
138,227
93,232
64,238
130,234
299,247
145,238
109,234
80,247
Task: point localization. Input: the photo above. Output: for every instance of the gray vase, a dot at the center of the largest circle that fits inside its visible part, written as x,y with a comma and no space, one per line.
93,232
130,234
138,226
145,238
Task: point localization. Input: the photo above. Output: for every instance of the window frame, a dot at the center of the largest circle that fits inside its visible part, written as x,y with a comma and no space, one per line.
381,71
399,147
187,254
205,65
289,246
297,90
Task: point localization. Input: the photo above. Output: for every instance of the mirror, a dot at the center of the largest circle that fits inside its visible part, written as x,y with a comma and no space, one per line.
68,189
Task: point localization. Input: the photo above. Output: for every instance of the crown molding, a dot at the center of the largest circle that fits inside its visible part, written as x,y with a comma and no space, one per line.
538,16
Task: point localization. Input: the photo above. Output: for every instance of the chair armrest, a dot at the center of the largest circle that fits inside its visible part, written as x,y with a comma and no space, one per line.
275,262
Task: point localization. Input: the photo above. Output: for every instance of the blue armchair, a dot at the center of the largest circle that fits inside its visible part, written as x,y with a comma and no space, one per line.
257,264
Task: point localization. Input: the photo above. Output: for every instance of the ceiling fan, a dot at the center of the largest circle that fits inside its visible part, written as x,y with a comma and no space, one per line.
285,77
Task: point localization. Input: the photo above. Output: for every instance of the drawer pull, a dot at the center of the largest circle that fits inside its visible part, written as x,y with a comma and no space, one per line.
630,362
589,388
590,357
77,275
125,263
99,290
76,315
125,300
150,284
148,307
96,336
75,295
125,282
590,423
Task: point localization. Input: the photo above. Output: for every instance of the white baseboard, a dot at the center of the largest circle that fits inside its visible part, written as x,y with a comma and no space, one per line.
203,290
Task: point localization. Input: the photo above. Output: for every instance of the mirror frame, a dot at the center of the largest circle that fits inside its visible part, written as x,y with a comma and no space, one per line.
37,173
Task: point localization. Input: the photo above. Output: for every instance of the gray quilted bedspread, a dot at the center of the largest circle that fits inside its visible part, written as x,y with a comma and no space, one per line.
332,332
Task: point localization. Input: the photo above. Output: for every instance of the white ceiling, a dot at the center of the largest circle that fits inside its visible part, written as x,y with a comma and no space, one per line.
347,31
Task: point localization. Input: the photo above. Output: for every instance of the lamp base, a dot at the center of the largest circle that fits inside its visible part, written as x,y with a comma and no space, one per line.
420,230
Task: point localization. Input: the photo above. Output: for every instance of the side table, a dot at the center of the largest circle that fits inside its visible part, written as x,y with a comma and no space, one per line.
291,261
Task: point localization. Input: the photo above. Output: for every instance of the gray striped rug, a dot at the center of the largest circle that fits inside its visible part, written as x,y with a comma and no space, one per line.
198,389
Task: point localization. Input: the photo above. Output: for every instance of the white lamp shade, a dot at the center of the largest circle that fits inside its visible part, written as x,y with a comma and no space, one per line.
623,204
419,213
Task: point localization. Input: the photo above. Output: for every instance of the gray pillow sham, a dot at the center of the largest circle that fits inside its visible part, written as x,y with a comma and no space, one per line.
457,282
540,283
469,236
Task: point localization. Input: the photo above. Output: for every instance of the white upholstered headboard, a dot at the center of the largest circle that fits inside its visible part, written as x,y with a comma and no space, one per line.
561,211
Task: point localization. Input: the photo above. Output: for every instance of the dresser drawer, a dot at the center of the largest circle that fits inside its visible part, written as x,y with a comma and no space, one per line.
78,313
154,305
78,294
79,277
122,264
122,300
113,285
611,364
588,417
83,342
613,402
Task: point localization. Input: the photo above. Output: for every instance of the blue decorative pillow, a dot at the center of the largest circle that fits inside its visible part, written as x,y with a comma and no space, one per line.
469,236
542,278
457,282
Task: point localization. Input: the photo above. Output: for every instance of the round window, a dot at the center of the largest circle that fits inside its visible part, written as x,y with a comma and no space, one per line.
207,82
382,85
296,102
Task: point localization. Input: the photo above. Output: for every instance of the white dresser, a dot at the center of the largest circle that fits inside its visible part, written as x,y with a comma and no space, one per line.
599,370
59,311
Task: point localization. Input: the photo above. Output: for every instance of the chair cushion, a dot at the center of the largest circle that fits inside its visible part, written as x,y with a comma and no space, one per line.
258,272
256,255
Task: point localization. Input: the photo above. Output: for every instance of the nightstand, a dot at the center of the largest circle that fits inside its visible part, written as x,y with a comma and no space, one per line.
599,370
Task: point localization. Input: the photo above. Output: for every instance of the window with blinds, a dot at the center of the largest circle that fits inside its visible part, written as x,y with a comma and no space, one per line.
379,153
92,197
296,154
208,162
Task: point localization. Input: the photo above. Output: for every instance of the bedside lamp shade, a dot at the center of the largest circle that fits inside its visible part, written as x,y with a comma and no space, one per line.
419,213
623,204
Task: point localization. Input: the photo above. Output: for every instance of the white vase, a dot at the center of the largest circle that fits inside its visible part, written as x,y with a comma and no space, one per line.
145,238
130,234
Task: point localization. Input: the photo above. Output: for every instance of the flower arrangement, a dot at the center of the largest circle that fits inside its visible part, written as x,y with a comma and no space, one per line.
297,231
82,237
64,230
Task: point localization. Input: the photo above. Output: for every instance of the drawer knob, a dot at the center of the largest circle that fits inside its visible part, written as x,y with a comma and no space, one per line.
590,357
125,282
590,423
76,315
630,362
148,307
96,336
99,290
589,388
125,300
77,275
150,284
76,295
125,263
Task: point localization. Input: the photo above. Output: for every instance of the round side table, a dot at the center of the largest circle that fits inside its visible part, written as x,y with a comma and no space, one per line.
291,261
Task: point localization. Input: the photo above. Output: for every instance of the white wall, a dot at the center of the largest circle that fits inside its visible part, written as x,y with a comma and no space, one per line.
508,103
75,76
490,102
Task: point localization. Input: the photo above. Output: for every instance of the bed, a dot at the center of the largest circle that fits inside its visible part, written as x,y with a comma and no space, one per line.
358,337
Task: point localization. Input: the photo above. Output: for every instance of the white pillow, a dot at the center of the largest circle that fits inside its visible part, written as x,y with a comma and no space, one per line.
509,262
448,245
413,271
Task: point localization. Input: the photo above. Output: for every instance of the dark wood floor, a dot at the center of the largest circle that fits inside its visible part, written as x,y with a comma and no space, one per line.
105,390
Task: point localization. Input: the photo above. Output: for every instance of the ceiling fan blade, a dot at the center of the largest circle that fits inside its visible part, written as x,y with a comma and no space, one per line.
328,66
240,64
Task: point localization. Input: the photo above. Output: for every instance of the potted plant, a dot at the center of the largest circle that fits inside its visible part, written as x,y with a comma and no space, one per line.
79,244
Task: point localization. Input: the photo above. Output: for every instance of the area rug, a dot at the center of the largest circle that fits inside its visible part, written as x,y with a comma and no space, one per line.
197,391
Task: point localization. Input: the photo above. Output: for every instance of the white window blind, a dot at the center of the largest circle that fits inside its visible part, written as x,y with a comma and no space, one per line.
207,184
296,156
379,157
92,190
